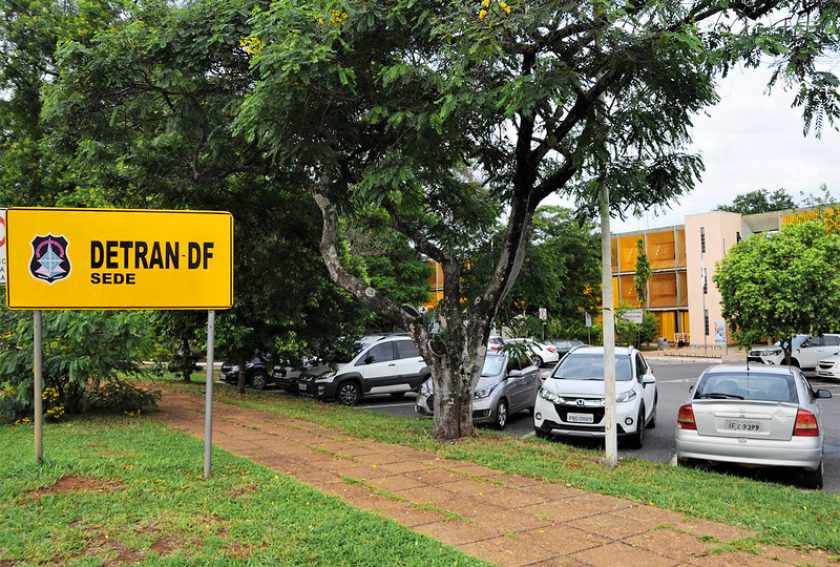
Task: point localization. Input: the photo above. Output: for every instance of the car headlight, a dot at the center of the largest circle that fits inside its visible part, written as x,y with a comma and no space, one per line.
426,388
546,395
326,376
484,392
627,396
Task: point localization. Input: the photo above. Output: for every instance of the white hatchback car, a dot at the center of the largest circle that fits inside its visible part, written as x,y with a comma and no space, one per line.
571,400
541,354
756,416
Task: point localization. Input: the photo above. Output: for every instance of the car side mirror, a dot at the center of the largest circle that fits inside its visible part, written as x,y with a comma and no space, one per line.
514,373
691,389
370,359
648,379
825,394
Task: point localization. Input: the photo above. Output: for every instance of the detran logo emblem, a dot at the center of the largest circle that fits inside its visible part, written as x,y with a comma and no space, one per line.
50,261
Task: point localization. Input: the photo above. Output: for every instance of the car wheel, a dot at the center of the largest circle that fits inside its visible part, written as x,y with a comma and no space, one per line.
501,414
397,395
813,479
537,361
349,393
638,438
794,363
259,380
652,423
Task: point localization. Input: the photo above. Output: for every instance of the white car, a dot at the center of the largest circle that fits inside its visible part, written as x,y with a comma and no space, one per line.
754,415
571,400
806,353
541,354
829,368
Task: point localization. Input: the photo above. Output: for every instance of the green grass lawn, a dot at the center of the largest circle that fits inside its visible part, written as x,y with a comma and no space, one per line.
118,489
783,515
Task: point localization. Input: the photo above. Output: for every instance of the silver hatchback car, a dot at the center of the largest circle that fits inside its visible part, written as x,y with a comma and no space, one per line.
508,385
755,416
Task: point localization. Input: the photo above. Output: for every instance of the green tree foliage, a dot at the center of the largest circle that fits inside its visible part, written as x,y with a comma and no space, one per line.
760,201
782,284
643,273
86,356
630,333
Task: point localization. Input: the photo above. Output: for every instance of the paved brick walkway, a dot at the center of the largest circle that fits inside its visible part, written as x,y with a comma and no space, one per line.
498,517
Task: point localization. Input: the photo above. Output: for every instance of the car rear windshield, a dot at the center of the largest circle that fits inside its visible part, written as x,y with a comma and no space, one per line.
591,367
493,365
748,386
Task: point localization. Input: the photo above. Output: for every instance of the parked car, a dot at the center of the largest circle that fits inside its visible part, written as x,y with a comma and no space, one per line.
259,372
829,368
508,385
806,353
541,354
754,416
494,344
381,364
571,400
563,346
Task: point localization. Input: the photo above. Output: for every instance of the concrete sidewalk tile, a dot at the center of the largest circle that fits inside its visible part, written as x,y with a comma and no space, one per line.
669,543
740,559
572,508
507,551
513,521
560,562
472,488
457,533
427,495
409,516
474,508
515,481
516,498
404,467
612,526
622,555
557,492
379,458
651,515
434,475
361,472
796,556
396,483
561,539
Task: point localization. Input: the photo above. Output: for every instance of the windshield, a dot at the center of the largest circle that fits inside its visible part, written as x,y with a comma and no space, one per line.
747,386
591,367
493,365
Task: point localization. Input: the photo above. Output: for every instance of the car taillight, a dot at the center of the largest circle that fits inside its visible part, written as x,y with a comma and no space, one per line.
806,424
685,418
550,349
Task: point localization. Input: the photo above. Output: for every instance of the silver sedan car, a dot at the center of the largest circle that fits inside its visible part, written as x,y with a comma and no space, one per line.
756,416
508,385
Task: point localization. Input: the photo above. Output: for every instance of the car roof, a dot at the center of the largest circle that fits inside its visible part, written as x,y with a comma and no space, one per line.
756,368
621,351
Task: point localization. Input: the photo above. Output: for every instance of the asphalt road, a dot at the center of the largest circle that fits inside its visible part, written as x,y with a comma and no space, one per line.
674,377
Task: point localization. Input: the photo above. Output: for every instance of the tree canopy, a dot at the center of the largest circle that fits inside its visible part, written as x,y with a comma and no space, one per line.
781,284
760,201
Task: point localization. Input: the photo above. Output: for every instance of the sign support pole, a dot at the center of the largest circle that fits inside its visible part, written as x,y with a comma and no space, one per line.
208,400
37,389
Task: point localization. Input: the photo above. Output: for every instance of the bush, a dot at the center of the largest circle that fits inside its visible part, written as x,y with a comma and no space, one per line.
120,396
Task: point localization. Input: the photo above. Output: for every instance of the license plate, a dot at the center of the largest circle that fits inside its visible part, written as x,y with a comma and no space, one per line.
301,387
580,418
738,425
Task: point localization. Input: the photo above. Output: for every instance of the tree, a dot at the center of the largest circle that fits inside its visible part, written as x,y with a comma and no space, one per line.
388,104
760,201
643,273
781,284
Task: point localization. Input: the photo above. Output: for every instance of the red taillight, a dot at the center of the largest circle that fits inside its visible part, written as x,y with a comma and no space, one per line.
550,349
806,424
685,418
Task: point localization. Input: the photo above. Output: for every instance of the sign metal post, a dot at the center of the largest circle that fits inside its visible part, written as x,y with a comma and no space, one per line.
208,395
37,388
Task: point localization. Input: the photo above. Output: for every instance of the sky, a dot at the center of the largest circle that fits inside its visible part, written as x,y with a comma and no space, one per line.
751,140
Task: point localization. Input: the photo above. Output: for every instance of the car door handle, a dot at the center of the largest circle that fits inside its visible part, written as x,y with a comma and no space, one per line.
393,364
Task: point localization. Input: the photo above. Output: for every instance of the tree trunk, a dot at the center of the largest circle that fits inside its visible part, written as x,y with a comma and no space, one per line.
187,359
240,383
454,379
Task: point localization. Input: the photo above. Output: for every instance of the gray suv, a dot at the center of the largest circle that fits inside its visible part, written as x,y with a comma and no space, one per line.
389,364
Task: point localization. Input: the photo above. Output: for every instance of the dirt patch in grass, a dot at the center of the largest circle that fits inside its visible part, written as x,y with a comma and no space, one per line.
74,484
237,491
241,551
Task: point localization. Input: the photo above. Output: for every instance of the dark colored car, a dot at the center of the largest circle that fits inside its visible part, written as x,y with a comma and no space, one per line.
259,373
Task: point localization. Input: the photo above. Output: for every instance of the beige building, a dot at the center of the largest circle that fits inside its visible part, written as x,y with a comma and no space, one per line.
682,292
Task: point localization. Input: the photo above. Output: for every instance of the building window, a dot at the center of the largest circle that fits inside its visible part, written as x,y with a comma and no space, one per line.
702,240
706,322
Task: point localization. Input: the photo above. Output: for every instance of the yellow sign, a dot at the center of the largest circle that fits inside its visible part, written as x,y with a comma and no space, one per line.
118,259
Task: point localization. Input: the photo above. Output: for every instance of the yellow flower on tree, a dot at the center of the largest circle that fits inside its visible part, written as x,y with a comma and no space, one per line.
482,14
485,3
